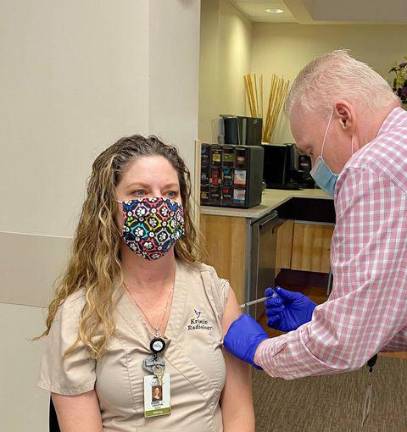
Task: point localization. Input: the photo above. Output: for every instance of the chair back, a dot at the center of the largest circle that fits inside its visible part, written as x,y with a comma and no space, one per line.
53,420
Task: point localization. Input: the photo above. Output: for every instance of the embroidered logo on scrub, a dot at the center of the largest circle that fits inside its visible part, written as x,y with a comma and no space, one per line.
199,322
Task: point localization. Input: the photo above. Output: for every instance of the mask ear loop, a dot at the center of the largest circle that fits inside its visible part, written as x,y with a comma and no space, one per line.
352,145
326,133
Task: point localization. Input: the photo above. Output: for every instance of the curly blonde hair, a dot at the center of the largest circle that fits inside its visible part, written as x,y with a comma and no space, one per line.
94,264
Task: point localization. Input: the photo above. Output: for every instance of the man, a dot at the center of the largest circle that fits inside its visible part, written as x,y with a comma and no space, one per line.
346,118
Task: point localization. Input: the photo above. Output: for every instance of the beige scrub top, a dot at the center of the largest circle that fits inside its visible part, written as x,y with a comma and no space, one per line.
193,357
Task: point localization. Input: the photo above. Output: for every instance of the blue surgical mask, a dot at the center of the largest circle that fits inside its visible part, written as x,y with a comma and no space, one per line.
321,173
323,176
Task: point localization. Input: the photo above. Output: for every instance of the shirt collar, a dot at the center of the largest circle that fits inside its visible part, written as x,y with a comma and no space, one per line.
391,120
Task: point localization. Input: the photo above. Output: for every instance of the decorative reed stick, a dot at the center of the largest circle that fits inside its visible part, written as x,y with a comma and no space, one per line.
278,93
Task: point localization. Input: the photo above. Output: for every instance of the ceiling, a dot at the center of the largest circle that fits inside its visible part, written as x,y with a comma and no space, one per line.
325,11
256,10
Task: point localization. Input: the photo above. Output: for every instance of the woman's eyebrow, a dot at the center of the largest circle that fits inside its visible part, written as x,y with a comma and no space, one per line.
138,184
171,185
147,185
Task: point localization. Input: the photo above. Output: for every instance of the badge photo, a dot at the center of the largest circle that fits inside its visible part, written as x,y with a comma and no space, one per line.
157,396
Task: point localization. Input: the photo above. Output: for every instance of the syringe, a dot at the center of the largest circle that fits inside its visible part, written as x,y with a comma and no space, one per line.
258,300
253,302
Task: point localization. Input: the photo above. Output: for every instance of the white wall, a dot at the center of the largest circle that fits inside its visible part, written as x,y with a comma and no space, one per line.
174,73
285,49
23,407
225,57
75,76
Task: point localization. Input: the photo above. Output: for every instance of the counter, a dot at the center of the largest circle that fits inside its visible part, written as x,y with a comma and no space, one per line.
249,246
271,199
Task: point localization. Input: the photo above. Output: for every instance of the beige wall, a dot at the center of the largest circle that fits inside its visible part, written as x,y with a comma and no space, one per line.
285,48
225,57
75,76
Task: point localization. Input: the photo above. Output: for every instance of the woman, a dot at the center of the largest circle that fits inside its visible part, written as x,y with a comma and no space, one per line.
135,310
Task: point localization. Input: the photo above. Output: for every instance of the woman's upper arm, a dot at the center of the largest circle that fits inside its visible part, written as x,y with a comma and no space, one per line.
79,413
71,374
237,403
70,378
231,312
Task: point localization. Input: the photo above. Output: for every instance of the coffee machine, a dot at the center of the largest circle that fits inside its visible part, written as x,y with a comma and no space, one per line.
285,168
240,130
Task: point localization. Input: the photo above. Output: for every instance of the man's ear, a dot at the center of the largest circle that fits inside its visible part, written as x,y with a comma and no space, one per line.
344,111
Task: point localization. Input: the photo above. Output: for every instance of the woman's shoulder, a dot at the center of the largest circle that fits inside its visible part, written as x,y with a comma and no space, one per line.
197,269
76,299
216,288
72,306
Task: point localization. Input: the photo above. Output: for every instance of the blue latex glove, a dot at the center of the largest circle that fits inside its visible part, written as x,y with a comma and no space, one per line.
287,310
243,338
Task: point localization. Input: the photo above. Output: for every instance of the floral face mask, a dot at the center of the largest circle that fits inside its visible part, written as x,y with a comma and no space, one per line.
152,226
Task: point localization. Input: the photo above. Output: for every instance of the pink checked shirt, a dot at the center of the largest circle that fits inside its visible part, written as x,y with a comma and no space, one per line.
367,309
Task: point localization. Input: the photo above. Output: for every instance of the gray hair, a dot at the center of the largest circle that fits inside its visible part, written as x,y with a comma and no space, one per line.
338,75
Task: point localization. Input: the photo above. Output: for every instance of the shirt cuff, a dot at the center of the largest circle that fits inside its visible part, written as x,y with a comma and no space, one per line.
266,350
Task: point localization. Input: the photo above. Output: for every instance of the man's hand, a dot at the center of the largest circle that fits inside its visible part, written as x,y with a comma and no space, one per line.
287,310
243,338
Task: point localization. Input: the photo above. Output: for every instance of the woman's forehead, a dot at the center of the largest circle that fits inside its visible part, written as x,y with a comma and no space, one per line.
150,170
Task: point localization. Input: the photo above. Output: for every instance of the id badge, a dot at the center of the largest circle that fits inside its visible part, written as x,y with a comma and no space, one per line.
156,396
